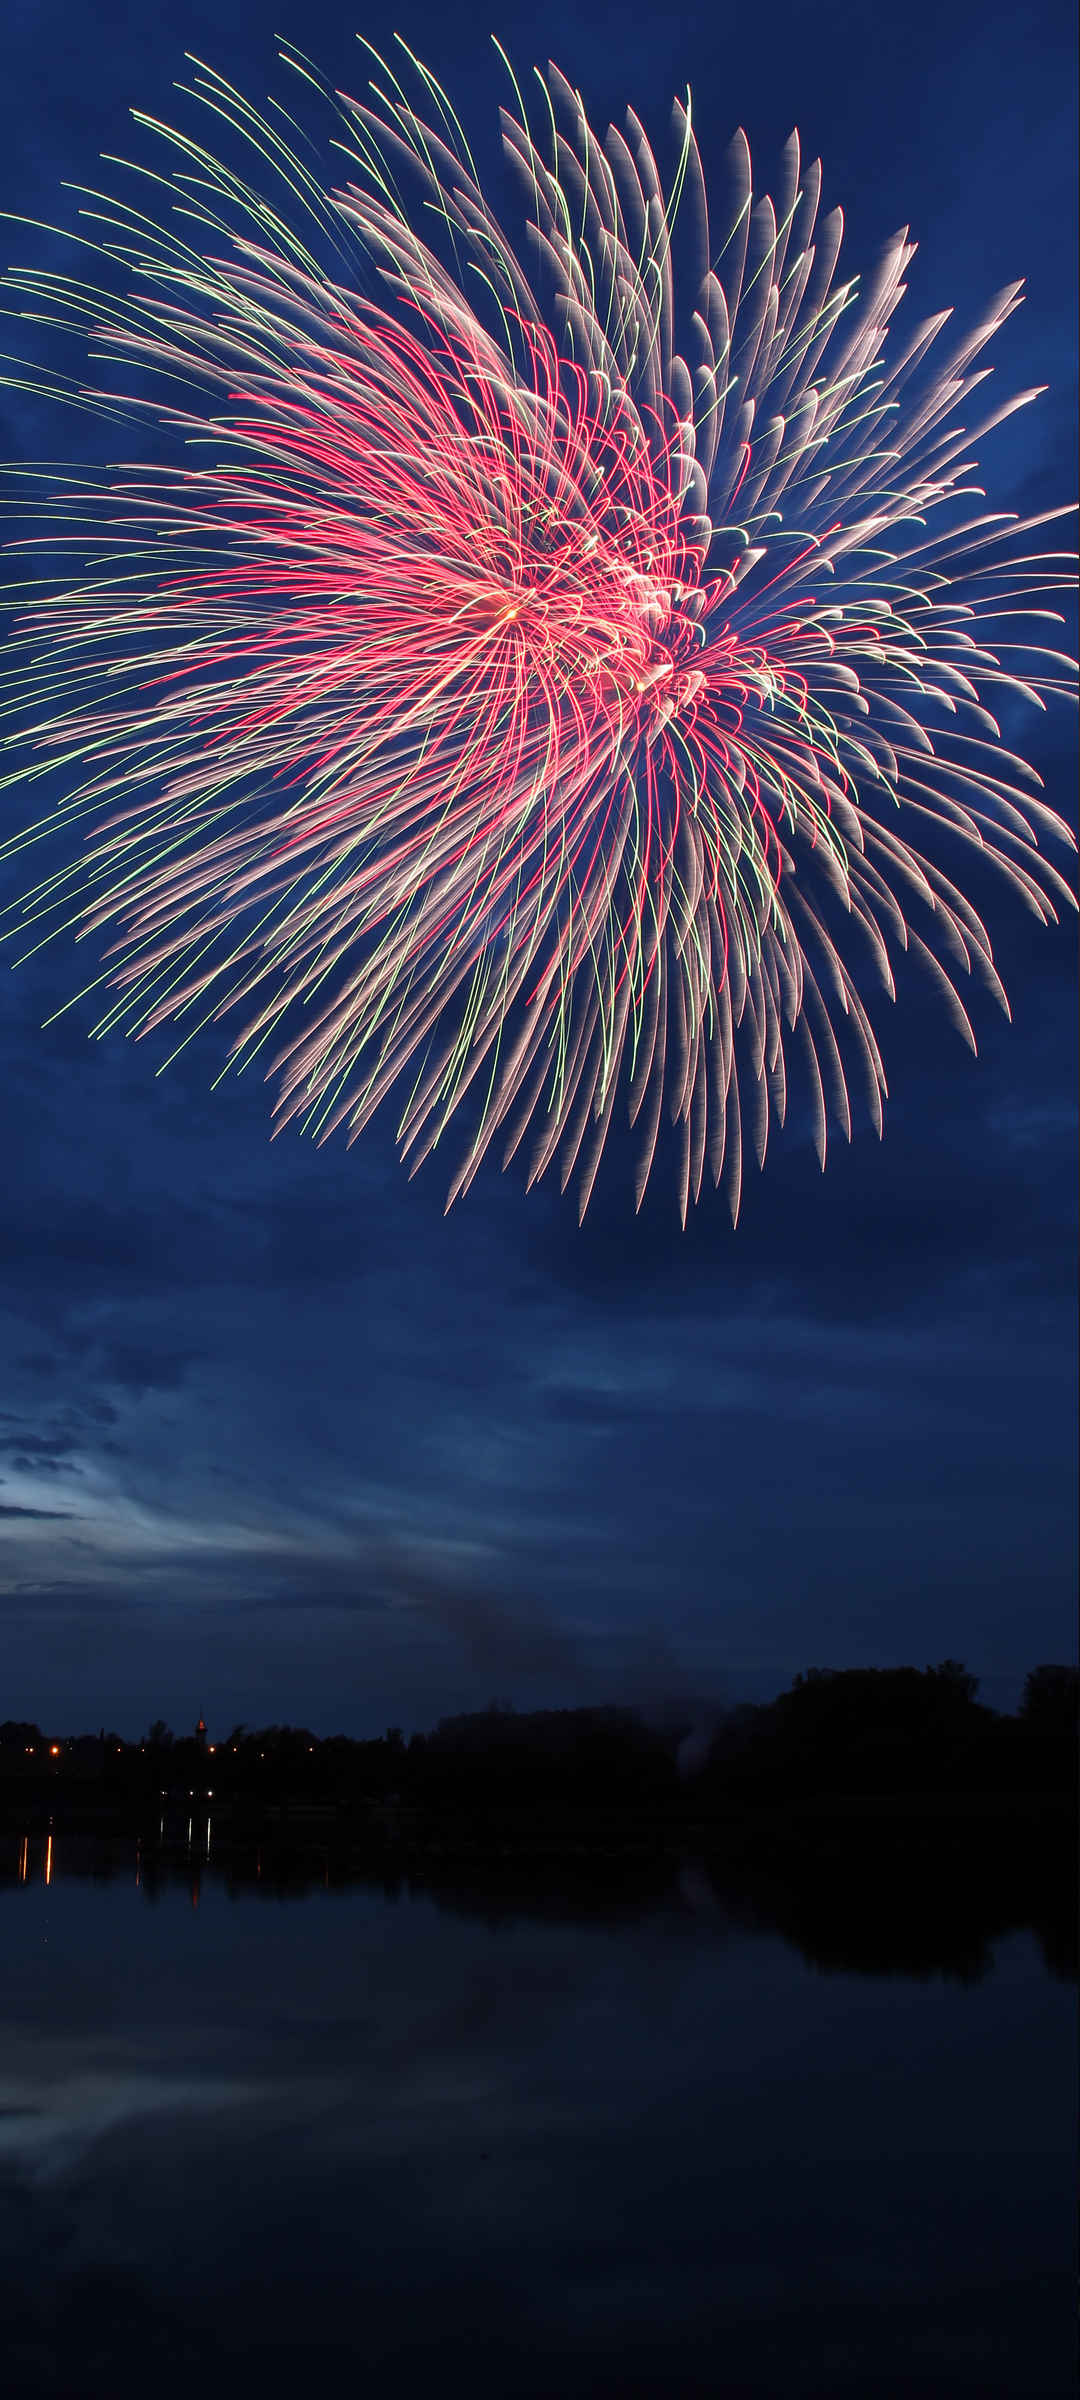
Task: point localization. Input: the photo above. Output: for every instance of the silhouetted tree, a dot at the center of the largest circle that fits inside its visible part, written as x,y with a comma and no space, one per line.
16,1734
1051,1700
953,1676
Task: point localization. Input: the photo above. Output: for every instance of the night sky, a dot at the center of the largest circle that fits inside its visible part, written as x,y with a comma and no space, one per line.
277,1439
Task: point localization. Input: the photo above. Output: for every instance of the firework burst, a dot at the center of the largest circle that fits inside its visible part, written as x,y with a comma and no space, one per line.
519,691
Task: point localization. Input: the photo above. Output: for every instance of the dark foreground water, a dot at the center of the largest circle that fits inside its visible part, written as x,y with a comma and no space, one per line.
311,2137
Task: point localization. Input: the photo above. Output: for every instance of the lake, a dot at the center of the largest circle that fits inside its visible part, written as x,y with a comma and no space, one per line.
276,2126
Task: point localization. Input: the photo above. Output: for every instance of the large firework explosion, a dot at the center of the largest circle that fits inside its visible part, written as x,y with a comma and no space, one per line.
522,683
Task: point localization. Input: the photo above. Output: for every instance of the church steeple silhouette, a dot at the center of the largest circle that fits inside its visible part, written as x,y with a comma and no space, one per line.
200,1733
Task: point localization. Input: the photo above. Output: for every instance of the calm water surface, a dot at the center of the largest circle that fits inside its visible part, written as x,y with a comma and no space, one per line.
512,2148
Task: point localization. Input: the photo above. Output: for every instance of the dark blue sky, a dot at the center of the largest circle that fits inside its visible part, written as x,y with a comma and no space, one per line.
279,1439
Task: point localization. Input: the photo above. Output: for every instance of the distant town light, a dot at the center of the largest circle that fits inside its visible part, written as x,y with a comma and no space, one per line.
54,1749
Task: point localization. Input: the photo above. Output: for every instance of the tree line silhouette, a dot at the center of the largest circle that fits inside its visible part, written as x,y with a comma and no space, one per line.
842,1735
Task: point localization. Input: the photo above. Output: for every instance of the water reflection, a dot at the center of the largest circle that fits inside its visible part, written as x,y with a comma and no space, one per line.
599,2128
842,1914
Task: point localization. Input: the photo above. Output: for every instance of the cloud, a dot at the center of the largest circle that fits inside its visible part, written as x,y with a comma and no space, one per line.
50,1445
8,1511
